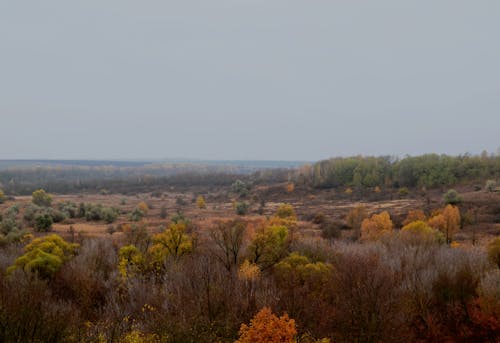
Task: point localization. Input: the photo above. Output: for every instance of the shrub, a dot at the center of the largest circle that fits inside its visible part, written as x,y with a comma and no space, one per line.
377,226
241,208
2,197
43,223
286,211
241,188
403,191
41,198
418,232
452,197
200,202
136,215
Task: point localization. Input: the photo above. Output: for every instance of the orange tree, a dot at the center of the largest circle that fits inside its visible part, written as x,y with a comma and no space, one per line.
266,327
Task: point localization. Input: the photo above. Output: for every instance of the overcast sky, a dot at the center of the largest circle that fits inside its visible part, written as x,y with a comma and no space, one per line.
248,79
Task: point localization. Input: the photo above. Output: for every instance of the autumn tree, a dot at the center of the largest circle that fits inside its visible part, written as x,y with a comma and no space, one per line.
413,216
45,256
355,217
228,239
143,207
200,202
2,197
269,245
131,260
266,327
448,221
376,226
174,242
41,198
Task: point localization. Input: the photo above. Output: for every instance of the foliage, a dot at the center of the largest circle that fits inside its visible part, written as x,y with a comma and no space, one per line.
419,232
41,198
452,197
143,207
241,208
413,216
355,217
266,327
172,242
43,223
136,215
96,212
269,245
286,211
240,187
45,256
448,222
200,202
2,197
131,260
376,226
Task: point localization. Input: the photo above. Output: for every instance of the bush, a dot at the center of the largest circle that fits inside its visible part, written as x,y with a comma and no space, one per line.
2,197
43,223
136,215
41,198
452,197
241,208
286,211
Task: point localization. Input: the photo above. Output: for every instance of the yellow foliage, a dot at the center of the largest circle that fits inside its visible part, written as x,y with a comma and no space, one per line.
130,260
448,222
377,226
377,189
136,336
266,327
248,271
420,232
143,207
286,211
348,191
200,202
172,242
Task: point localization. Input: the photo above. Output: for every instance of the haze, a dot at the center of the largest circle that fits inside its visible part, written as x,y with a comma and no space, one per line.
241,79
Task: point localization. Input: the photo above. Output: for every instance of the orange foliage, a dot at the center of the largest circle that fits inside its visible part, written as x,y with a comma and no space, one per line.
290,187
413,216
376,226
143,207
448,222
266,327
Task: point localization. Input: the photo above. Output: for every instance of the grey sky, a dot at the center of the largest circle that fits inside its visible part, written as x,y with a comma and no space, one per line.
248,79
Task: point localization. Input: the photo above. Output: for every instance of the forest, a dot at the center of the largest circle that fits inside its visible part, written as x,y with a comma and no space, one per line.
329,252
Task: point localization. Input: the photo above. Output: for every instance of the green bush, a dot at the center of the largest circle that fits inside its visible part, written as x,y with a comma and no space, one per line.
41,198
452,197
241,208
43,223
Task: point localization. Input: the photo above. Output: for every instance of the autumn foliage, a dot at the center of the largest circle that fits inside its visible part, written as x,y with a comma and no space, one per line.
266,327
376,226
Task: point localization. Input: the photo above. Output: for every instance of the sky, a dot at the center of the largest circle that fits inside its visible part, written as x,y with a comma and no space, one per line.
248,79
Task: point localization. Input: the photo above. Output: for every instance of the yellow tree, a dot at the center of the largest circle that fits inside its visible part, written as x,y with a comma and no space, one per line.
356,216
200,202
143,207
376,226
174,242
266,327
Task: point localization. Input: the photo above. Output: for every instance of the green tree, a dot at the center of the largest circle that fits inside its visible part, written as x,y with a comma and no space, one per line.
43,223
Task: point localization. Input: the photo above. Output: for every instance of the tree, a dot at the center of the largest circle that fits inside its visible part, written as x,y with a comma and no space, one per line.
45,256
266,327
172,242
131,260
200,202
268,245
228,239
376,226
451,216
41,198
2,197
490,185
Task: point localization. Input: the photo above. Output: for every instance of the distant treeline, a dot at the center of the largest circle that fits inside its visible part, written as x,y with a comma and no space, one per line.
128,180
430,170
